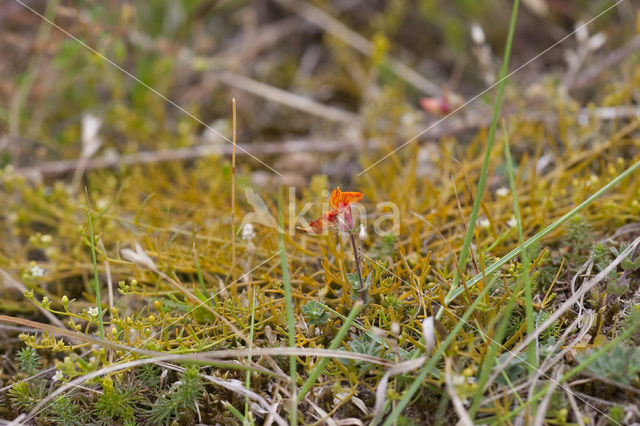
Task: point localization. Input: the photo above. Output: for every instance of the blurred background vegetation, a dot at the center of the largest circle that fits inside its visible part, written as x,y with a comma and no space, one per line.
274,57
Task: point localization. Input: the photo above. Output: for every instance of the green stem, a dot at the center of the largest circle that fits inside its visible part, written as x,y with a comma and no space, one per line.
357,260
418,381
502,81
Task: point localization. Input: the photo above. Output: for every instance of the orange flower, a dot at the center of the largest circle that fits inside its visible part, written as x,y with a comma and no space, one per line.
327,221
340,202
340,199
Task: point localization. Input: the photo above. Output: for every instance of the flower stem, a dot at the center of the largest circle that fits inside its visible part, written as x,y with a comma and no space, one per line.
357,258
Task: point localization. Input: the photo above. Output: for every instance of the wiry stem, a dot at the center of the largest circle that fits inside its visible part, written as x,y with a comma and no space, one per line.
233,198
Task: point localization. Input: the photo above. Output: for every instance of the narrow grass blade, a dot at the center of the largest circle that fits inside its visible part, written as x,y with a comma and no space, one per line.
490,359
237,414
233,196
318,369
203,287
528,302
406,398
95,268
293,418
487,156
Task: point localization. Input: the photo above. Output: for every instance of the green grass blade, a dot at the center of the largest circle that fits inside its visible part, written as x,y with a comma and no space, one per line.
319,368
95,268
528,302
208,296
237,414
490,359
293,418
487,155
406,398
532,358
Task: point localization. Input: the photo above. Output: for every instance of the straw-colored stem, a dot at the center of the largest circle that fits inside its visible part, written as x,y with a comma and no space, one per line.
233,195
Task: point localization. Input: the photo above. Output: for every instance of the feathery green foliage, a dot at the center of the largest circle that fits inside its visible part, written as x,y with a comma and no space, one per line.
181,399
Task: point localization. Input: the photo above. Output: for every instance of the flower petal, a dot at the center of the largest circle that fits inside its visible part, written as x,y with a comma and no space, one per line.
340,199
327,221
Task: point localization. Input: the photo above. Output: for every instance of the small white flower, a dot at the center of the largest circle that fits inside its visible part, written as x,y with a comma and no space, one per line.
512,222
102,203
248,233
484,222
58,376
36,271
502,192
458,380
477,33
93,311
363,233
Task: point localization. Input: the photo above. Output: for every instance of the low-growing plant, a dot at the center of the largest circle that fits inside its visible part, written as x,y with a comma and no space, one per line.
621,365
315,313
181,399
25,395
29,361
